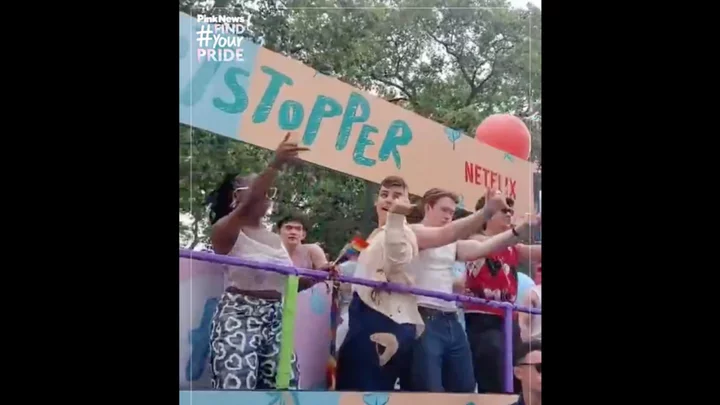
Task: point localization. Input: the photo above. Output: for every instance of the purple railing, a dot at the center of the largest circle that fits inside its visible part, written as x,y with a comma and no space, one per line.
323,275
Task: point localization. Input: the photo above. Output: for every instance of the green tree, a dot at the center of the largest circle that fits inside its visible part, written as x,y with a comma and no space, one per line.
452,65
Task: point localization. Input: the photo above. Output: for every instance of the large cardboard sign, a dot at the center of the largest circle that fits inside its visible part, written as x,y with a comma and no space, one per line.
348,130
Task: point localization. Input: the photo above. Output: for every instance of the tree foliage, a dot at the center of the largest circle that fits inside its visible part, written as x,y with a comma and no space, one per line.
452,61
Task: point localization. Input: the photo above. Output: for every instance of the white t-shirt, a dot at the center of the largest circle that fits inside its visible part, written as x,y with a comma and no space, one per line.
433,270
259,245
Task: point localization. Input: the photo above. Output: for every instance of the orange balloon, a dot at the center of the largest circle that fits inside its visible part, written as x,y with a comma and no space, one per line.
507,133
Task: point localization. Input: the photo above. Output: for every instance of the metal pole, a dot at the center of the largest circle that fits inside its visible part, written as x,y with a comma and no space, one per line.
509,388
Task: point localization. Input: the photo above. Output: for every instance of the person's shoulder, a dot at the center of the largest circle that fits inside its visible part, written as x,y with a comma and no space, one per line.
259,234
375,233
313,247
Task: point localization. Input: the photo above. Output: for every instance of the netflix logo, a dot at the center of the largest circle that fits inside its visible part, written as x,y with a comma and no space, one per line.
485,177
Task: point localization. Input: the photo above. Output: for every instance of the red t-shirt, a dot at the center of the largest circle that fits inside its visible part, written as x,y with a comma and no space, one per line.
493,278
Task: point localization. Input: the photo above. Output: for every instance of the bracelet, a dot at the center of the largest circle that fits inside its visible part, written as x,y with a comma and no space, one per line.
514,231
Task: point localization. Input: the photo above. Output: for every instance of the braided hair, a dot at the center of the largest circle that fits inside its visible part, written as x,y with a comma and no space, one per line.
221,198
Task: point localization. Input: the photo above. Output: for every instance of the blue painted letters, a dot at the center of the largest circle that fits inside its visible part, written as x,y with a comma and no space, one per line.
355,102
393,140
277,80
196,88
291,115
241,97
325,107
362,143
200,340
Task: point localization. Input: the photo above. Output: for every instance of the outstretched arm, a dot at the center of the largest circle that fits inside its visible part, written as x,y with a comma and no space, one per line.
428,237
432,237
529,253
474,249
471,249
225,231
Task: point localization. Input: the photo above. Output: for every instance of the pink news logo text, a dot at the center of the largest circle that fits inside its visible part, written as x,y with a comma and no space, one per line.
218,37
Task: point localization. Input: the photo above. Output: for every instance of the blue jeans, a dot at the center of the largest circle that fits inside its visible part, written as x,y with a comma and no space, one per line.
442,361
359,366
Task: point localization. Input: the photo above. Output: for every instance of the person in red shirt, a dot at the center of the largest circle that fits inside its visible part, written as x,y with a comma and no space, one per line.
493,277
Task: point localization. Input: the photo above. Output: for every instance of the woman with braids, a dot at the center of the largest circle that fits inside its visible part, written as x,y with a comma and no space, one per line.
246,328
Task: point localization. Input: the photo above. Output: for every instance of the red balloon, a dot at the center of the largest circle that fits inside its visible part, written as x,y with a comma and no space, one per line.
507,133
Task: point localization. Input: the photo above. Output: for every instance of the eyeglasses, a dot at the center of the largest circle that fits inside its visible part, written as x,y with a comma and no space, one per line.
269,194
538,366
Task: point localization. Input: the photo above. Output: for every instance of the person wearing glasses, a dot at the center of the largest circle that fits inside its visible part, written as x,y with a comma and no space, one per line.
494,277
528,369
246,327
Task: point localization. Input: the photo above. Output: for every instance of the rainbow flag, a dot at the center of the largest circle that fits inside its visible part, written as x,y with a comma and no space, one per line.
357,245
354,247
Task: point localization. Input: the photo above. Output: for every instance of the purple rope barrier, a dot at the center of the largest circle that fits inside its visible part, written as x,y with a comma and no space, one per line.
322,275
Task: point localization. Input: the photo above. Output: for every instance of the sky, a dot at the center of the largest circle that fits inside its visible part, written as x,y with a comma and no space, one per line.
523,3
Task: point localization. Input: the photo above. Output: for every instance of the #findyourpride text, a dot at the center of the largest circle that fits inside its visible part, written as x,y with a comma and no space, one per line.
219,37
216,43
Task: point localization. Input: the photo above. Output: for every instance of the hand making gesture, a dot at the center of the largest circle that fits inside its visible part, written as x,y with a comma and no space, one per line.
494,202
286,152
401,206
529,223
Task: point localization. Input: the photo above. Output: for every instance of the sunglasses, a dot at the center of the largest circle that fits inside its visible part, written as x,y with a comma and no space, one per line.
538,366
270,193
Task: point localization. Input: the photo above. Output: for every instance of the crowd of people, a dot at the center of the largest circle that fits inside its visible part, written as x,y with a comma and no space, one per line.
383,338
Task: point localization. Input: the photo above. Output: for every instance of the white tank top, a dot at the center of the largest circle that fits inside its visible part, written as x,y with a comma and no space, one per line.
433,270
535,322
259,245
